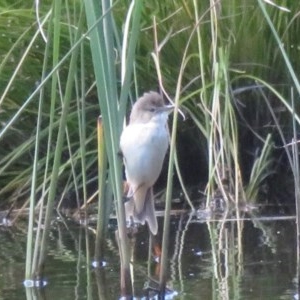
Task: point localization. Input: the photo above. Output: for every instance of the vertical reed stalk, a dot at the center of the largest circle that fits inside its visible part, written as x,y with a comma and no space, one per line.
295,168
58,149
103,202
112,110
210,124
88,263
166,228
82,124
30,257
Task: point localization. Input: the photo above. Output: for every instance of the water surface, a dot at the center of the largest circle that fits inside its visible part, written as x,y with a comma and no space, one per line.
250,259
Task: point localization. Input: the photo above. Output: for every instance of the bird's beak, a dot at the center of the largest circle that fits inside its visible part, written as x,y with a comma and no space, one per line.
167,108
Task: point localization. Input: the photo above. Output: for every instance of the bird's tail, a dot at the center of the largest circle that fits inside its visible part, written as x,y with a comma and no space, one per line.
142,209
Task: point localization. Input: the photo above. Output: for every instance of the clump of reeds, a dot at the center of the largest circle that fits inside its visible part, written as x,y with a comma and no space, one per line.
200,58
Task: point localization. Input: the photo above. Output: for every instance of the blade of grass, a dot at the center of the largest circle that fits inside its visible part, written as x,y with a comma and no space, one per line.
280,46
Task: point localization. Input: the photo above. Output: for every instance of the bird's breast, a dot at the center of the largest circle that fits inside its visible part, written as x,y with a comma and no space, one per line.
144,147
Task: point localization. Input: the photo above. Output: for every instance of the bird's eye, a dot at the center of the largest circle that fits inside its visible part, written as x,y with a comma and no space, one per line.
152,109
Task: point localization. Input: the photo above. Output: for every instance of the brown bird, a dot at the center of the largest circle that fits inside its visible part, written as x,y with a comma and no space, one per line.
144,143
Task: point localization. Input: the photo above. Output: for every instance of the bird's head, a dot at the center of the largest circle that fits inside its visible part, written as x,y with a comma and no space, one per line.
149,107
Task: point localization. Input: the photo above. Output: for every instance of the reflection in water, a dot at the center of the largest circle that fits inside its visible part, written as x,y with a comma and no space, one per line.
222,259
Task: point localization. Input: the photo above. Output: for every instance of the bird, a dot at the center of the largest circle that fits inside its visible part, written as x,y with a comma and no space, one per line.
144,143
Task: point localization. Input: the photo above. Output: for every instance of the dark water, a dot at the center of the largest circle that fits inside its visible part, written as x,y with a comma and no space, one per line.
250,259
